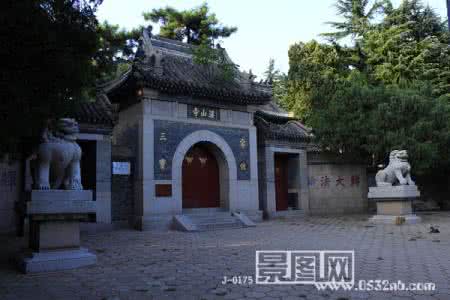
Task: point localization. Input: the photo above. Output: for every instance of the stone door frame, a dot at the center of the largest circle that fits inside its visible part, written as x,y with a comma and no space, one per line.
268,193
228,156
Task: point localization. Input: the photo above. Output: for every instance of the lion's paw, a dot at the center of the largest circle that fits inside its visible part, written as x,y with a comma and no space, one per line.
75,185
42,186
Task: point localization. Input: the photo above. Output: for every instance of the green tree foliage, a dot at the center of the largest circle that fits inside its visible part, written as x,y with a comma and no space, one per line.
116,50
47,48
312,65
421,20
410,44
366,119
448,14
193,26
357,15
280,89
279,82
200,27
390,89
271,72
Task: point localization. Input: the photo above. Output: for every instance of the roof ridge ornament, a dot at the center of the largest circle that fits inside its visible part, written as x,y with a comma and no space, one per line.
251,77
146,40
151,55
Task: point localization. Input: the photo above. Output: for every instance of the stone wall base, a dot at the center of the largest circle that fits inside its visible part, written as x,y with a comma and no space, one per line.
48,261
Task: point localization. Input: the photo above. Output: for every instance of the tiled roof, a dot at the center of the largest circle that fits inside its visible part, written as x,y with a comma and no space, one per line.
280,127
168,66
182,76
99,112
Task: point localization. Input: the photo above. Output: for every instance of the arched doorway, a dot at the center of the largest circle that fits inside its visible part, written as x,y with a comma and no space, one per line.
226,161
201,177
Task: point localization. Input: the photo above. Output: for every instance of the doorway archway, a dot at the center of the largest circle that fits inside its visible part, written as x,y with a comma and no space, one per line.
201,178
226,162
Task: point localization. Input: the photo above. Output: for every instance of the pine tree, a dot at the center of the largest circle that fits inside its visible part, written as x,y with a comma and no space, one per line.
357,16
193,26
115,51
448,14
271,72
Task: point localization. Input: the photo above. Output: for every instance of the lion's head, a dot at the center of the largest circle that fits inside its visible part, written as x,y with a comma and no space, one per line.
66,128
398,156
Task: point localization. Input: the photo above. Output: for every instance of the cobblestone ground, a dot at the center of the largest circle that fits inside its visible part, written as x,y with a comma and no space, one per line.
176,265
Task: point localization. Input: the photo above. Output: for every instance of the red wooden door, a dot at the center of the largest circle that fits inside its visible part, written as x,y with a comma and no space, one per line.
281,182
201,187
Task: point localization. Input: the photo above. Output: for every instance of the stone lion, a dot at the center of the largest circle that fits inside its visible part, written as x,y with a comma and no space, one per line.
397,172
58,158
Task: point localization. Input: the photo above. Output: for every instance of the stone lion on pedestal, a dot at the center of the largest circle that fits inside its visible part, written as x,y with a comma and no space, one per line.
397,171
58,158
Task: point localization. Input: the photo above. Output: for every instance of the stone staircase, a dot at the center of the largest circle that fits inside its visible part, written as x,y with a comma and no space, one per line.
210,220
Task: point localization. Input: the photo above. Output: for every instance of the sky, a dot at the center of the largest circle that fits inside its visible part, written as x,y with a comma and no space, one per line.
266,28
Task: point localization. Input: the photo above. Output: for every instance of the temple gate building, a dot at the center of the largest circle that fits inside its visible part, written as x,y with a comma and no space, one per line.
175,143
189,140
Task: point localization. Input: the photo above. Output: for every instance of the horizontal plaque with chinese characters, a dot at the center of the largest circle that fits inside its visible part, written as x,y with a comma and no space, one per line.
203,112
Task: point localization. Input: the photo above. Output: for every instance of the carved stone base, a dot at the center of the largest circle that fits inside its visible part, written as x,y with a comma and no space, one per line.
394,204
54,236
398,192
47,261
394,208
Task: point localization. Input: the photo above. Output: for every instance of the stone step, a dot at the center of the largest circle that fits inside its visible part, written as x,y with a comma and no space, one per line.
213,221
219,226
203,211
206,215
210,221
212,217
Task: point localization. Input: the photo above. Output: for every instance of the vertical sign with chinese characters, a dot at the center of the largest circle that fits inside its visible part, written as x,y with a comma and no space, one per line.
203,112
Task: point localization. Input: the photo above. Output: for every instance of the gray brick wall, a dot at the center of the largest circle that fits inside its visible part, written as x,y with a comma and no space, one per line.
103,184
122,197
10,190
122,186
103,166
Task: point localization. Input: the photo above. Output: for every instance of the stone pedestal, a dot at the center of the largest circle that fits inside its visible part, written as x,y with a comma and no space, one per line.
54,236
394,204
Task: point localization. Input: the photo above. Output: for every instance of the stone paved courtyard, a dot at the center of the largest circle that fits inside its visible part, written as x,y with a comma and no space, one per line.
177,265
